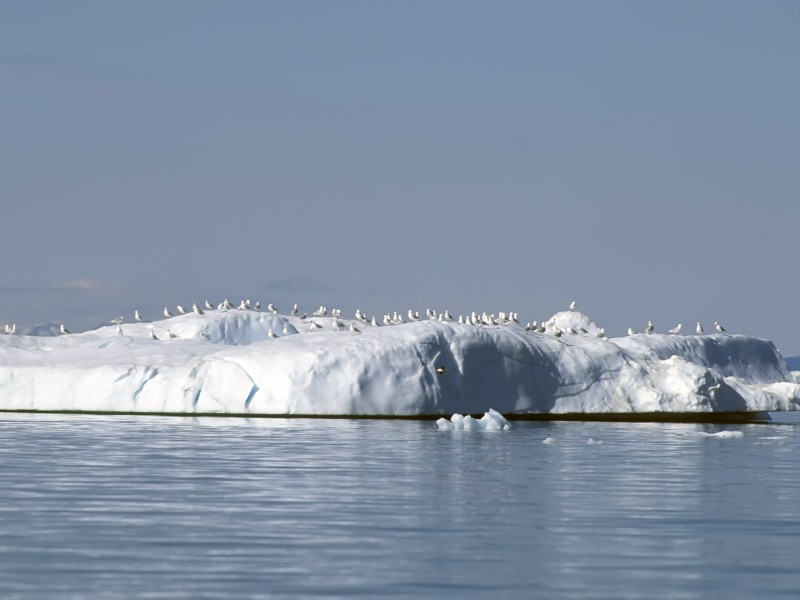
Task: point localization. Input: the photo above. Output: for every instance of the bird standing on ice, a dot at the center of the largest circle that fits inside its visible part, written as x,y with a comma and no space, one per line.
63,329
272,334
572,305
119,328
649,328
677,328
719,328
631,331
118,320
167,314
209,306
354,330
197,310
137,316
182,310
153,335
699,328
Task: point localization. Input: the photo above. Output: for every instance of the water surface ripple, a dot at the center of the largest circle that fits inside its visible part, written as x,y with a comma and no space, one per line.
149,507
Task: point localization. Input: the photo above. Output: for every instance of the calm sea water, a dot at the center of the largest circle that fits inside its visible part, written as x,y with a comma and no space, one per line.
147,507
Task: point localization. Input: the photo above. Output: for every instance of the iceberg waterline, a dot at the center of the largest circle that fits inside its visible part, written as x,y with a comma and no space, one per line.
226,362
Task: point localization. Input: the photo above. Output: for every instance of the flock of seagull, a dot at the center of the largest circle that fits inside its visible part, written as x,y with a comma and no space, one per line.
337,324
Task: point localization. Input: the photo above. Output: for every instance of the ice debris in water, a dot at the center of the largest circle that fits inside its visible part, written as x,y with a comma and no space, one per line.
491,421
550,441
592,441
722,434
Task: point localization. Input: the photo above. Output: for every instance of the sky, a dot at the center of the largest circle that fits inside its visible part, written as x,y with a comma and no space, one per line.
641,158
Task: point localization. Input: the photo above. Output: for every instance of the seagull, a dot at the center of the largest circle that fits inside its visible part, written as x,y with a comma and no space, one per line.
303,317
374,322
320,312
602,333
354,330
63,329
167,314
272,334
649,328
557,333
295,310
286,329
677,328
571,331
209,306
171,335
118,320
337,324
258,305
153,335
719,328
631,331
137,316
205,336
182,310
314,326
572,305
699,329
11,330
119,328
197,310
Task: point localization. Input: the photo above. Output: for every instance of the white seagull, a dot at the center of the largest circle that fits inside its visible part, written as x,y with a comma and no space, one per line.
209,306
119,328
118,320
153,335
171,335
197,310
182,310
137,316
699,329
295,310
286,329
677,328
167,314
719,328
272,334
354,330
649,328
63,329
631,331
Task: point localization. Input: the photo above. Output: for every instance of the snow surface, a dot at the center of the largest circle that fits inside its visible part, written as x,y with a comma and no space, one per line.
226,362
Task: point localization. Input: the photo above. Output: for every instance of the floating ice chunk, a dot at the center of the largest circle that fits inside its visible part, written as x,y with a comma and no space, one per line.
491,421
592,441
722,434
550,441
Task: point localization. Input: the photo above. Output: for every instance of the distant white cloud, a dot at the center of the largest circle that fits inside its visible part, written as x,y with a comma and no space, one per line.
83,284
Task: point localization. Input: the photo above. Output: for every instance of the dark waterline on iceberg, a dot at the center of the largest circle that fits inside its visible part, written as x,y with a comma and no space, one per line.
133,507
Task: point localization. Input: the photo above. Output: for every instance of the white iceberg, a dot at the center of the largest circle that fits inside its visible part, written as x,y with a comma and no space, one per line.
227,362
491,421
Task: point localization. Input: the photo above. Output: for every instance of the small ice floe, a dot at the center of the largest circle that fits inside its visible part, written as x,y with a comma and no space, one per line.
722,434
550,441
491,421
592,441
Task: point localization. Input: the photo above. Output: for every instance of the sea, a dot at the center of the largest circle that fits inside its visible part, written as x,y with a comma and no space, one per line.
108,507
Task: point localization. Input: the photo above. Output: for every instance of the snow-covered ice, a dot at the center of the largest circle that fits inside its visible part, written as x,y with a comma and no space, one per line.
226,362
491,421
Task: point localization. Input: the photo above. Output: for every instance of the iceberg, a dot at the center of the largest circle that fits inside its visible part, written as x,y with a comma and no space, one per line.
229,362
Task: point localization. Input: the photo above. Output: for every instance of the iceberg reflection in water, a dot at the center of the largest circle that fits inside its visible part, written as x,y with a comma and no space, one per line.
117,507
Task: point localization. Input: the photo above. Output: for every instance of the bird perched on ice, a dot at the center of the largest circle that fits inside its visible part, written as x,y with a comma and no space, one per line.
182,310
171,335
118,320
649,328
197,310
286,329
719,328
677,328
63,329
153,335
602,333
271,334
295,310
374,322
631,331
11,329
137,316
699,328
119,328
354,330
167,314
313,326
209,306
572,305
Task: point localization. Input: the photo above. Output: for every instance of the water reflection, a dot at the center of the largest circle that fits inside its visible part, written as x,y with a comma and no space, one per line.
206,507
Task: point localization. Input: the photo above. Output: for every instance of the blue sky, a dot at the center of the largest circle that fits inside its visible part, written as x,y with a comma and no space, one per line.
641,158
